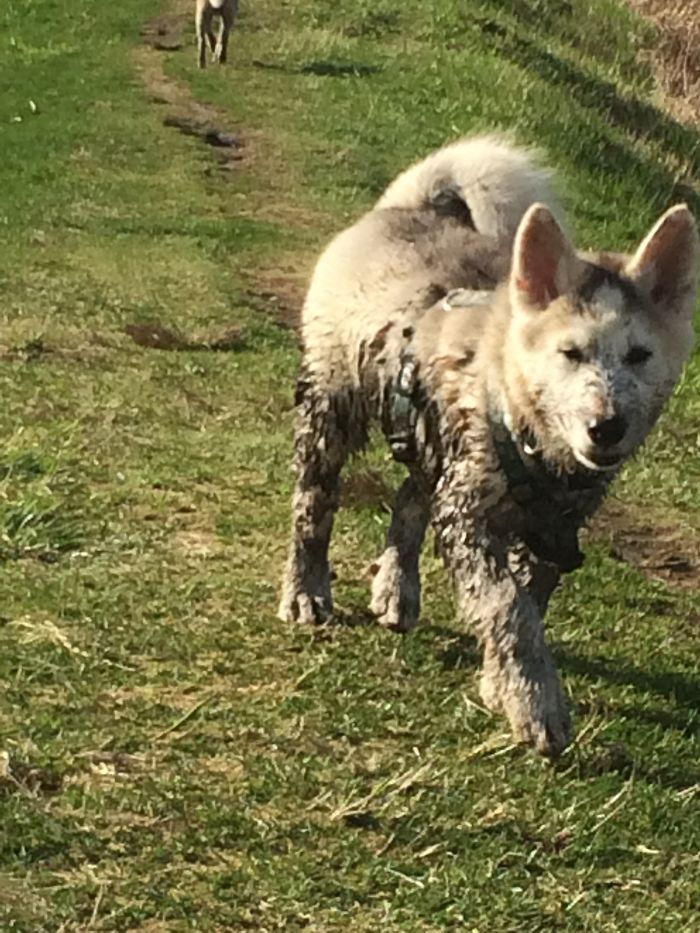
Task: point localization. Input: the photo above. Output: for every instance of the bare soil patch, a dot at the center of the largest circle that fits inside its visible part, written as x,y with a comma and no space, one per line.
279,298
156,336
165,33
660,550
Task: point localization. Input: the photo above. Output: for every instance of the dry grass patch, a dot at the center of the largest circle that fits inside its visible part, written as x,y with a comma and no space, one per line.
675,58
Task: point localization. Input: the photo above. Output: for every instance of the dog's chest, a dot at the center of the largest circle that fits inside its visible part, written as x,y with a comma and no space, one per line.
546,512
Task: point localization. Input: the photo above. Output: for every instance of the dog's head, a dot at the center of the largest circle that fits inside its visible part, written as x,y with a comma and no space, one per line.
596,344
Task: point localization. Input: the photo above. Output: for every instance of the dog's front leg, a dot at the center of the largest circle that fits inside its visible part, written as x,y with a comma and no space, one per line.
519,677
201,43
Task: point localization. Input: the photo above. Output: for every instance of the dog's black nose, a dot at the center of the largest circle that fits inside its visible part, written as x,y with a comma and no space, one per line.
608,432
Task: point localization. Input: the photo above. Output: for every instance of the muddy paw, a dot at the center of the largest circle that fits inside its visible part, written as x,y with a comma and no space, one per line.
534,703
305,609
395,594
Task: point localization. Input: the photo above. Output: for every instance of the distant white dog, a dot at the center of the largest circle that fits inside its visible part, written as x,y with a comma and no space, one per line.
205,12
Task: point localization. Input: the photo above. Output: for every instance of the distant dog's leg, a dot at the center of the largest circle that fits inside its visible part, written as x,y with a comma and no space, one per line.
227,17
211,35
201,30
396,583
519,677
323,440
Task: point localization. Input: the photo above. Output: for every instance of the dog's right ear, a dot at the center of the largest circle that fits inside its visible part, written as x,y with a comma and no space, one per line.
544,261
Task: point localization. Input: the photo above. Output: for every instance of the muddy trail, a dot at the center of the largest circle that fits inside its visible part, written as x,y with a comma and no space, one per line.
229,148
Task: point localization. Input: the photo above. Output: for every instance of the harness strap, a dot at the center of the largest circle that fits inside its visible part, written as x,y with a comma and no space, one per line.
403,407
403,411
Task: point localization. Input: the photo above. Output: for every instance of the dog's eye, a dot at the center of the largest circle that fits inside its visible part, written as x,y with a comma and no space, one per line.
637,355
573,354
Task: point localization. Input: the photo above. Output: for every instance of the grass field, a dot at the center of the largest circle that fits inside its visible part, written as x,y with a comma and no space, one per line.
171,756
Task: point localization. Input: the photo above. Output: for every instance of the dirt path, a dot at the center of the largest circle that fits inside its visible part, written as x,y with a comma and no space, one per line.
278,291
166,33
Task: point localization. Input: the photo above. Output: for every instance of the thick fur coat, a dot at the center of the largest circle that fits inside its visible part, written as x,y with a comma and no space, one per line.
516,399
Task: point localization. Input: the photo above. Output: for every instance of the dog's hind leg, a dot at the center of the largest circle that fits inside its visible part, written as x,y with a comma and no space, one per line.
396,584
329,428
201,44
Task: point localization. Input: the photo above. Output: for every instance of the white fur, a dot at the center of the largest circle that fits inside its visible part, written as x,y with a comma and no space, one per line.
363,276
498,181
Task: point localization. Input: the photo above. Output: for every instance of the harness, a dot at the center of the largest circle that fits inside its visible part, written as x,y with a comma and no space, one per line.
551,501
403,410
406,396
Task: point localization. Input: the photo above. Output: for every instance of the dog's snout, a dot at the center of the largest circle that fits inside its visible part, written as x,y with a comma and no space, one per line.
608,431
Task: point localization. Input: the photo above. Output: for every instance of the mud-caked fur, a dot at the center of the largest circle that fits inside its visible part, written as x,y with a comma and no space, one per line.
205,13
526,403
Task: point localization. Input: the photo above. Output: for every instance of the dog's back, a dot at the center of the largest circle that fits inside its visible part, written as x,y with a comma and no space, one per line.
447,222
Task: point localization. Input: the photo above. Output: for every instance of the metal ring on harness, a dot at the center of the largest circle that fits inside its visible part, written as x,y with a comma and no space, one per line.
465,298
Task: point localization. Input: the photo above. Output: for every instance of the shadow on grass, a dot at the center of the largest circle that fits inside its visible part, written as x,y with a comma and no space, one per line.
680,688
636,118
350,616
615,758
461,652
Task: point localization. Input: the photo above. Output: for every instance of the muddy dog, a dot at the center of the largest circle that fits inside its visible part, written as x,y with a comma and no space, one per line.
205,11
513,400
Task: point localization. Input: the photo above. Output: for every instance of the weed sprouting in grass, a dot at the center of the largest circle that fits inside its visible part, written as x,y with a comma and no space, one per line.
41,507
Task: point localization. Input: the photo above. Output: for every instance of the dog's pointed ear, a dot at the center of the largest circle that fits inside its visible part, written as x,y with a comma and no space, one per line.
544,262
665,266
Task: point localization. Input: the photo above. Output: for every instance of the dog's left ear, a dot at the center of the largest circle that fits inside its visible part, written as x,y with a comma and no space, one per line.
544,262
665,266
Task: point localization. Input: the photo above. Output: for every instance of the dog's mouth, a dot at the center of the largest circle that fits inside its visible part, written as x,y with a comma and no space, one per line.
597,460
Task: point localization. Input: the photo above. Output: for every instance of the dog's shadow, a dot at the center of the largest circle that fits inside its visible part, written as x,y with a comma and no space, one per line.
674,686
322,68
459,650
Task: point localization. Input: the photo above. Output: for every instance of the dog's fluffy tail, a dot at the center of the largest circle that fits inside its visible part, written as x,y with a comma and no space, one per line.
495,182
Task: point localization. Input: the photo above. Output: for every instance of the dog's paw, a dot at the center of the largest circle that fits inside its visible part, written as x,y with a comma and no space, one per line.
395,594
305,609
532,699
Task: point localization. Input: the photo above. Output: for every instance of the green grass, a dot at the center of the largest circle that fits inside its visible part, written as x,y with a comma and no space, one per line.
178,759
